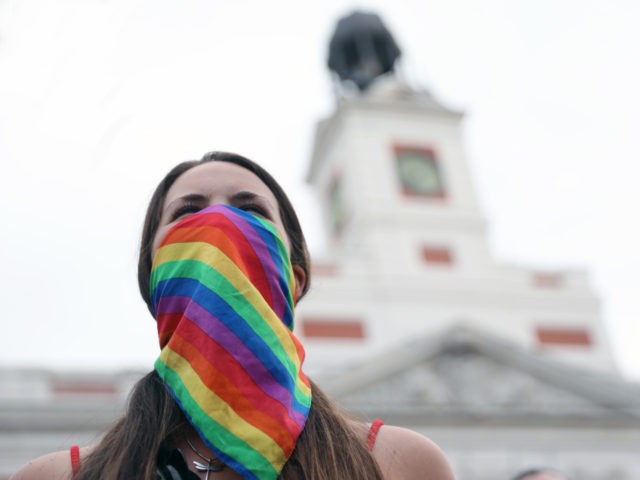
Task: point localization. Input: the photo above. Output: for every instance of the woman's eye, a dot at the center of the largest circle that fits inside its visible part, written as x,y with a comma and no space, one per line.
256,209
184,210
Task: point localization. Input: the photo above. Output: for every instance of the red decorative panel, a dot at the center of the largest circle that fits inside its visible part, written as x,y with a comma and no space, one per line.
332,328
324,269
83,388
437,255
564,336
547,280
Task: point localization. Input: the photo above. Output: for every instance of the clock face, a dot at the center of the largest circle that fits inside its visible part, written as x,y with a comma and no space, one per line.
419,174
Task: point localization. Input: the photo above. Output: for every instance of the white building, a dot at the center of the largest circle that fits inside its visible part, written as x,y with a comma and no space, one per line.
410,319
43,411
408,252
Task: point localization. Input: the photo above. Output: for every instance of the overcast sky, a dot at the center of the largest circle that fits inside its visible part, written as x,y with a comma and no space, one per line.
98,98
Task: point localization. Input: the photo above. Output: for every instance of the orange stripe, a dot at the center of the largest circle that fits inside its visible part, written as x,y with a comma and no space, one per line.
213,236
233,244
301,354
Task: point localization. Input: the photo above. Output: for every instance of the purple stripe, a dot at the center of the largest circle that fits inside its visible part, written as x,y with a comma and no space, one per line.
262,251
218,332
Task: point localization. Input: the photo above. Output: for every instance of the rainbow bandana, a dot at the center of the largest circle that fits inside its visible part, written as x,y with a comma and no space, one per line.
222,289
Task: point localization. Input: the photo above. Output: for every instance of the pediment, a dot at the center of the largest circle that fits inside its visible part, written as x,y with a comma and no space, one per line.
472,373
469,381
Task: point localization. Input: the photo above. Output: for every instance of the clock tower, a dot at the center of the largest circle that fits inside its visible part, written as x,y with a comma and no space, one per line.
406,245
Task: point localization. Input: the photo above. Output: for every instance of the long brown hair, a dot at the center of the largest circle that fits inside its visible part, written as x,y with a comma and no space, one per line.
327,449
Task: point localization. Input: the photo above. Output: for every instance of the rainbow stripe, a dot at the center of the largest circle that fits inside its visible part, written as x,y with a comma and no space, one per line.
222,288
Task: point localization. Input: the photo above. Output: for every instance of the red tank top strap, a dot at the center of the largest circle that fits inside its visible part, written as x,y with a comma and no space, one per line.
75,459
373,433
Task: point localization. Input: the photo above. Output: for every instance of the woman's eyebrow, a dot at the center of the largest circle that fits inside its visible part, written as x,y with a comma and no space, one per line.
190,197
244,196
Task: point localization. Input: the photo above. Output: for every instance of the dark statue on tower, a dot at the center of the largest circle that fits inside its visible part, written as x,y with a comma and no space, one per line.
362,49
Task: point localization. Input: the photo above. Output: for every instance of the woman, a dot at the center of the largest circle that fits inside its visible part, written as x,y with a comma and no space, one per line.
222,263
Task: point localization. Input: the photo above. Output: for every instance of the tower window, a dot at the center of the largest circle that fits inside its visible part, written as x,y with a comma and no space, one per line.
419,172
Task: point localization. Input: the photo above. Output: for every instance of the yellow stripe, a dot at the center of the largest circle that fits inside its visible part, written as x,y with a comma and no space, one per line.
211,403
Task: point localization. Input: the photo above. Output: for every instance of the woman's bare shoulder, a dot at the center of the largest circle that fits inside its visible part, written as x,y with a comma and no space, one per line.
54,466
405,454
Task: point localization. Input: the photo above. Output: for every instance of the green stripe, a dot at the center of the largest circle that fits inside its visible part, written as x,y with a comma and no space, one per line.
216,282
302,398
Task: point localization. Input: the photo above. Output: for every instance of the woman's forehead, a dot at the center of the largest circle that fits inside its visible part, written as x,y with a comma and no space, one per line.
218,179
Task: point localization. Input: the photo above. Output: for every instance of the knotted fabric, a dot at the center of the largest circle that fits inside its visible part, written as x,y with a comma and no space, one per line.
222,289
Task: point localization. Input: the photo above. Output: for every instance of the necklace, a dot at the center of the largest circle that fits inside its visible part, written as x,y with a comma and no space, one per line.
212,465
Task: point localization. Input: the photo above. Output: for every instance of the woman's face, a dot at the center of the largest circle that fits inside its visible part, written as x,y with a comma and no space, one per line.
215,183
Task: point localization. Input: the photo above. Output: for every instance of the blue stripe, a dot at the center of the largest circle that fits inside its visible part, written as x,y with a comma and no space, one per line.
272,246
240,327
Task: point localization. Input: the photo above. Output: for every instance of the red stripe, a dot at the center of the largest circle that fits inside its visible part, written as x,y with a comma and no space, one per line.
167,324
216,354
257,409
